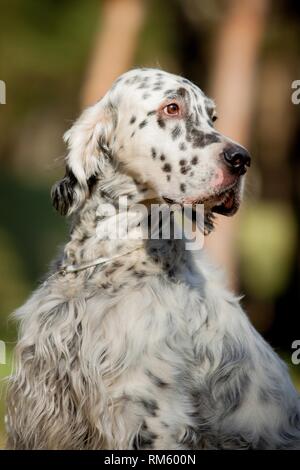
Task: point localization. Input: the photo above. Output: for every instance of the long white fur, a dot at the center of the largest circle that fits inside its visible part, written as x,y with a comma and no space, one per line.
151,352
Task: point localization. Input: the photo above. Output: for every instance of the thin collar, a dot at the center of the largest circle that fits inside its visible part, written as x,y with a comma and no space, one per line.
74,268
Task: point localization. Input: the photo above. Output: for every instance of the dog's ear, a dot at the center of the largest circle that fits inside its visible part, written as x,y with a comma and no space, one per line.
63,193
88,145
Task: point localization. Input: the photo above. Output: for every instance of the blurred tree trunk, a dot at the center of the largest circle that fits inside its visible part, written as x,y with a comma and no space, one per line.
114,47
233,86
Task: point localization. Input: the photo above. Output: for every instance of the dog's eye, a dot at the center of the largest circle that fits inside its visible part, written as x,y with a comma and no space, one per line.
171,109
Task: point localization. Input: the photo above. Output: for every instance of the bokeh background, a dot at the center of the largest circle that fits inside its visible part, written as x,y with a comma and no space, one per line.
58,56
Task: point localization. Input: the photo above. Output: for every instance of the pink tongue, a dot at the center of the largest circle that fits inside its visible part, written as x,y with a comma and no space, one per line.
228,203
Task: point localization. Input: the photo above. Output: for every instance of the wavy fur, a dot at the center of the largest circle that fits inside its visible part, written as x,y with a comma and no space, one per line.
149,351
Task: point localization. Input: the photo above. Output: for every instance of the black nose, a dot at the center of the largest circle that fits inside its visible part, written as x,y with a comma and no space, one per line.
237,158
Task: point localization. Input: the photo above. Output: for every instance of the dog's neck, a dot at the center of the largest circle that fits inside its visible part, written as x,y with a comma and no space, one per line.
92,232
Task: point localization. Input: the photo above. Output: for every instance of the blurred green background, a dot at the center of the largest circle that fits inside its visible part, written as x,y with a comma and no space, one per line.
58,56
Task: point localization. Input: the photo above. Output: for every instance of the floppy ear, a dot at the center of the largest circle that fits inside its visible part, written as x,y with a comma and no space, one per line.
63,193
88,144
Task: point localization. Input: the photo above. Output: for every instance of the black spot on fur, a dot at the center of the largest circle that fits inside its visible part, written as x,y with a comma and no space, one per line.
151,112
132,120
139,274
161,123
167,167
145,96
143,85
99,218
162,157
184,170
144,439
200,139
157,86
83,239
153,153
181,92
182,146
182,162
132,80
176,132
182,187
156,380
105,285
150,406
168,177
143,124
194,160
132,134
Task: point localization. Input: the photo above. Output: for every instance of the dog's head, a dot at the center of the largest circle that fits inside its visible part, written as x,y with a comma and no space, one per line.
159,128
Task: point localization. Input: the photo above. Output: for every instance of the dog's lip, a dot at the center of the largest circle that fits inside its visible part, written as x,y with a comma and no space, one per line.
168,200
225,202
214,199
228,205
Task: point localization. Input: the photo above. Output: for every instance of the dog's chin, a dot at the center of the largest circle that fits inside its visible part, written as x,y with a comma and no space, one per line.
225,202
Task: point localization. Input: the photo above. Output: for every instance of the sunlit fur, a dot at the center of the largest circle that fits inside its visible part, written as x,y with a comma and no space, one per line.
150,350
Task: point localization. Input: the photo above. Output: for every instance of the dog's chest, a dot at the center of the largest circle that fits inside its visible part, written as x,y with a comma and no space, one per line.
146,316
143,339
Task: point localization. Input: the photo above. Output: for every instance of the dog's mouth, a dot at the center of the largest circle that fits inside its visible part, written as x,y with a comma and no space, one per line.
226,202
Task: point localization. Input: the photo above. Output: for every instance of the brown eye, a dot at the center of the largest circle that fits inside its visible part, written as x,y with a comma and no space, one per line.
172,109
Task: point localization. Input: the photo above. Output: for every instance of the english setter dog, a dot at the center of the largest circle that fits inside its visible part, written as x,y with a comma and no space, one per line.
137,344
